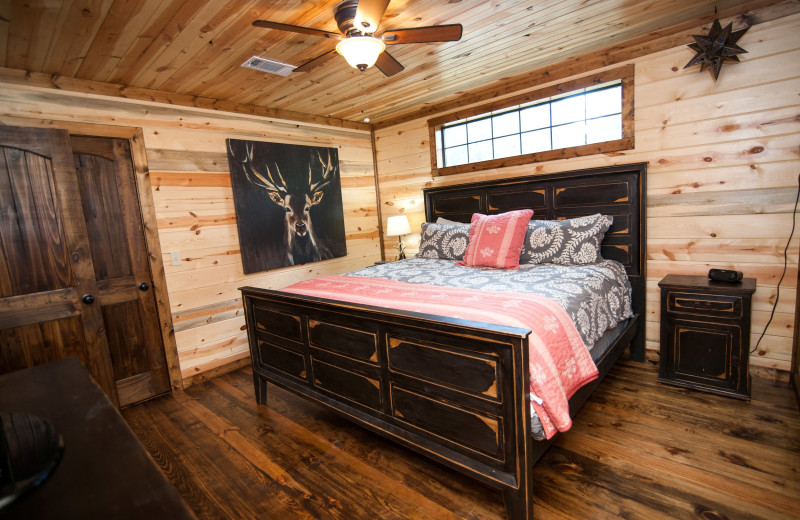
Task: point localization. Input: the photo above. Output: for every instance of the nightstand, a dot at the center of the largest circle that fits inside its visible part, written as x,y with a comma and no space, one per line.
705,334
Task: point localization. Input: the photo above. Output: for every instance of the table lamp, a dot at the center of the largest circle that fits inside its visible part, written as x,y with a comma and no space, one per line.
398,226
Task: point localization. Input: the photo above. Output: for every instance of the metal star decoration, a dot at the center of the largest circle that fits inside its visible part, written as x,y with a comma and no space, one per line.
716,48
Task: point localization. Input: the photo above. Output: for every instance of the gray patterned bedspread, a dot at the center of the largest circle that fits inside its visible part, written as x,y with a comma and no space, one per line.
596,296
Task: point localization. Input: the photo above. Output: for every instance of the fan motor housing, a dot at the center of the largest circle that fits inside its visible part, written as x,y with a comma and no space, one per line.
344,15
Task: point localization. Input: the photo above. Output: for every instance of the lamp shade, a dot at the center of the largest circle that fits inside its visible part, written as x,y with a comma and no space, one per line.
397,226
361,52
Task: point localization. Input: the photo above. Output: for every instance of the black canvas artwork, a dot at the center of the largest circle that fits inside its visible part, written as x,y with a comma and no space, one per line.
288,201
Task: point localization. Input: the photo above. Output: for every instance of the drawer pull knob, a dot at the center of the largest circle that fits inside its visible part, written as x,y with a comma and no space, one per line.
703,306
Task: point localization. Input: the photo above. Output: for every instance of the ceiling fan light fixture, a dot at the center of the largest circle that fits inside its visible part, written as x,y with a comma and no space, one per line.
361,52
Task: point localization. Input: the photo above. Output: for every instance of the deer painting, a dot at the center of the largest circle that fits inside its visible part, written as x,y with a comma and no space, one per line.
295,195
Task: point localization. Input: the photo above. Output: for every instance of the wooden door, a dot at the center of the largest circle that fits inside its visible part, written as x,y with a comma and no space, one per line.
74,269
121,266
47,280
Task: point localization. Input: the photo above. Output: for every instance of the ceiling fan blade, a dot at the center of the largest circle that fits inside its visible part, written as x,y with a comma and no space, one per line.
388,65
295,28
432,33
316,62
369,14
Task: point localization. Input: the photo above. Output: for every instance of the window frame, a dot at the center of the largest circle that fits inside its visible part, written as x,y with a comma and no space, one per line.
627,142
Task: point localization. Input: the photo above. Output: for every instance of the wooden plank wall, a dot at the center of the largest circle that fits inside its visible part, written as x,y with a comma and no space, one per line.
724,160
193,200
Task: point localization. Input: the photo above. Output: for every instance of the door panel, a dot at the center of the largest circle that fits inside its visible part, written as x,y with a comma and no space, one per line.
46,263
116,234
126,338
31,234
31,345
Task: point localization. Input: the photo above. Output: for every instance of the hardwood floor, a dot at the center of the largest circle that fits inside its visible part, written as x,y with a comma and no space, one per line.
638,450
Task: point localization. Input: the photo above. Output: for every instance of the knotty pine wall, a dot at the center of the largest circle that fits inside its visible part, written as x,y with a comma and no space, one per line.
191,187
724,160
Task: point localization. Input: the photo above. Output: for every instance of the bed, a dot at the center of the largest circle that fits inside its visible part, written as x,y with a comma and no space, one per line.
456,390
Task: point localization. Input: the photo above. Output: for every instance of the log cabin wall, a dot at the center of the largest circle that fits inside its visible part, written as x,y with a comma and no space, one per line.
193,200
722,177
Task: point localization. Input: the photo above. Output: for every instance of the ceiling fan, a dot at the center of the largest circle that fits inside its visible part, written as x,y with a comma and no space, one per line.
358,22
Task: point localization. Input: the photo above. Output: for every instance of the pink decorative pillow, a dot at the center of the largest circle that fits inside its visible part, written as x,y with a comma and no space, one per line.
496,240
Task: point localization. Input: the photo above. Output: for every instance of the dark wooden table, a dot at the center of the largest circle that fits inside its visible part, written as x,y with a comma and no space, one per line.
105,472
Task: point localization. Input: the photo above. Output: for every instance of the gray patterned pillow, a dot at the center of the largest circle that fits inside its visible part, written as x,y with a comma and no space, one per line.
443,241
574,241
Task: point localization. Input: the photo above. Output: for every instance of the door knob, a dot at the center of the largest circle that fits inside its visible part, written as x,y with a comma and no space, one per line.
143,286
88,299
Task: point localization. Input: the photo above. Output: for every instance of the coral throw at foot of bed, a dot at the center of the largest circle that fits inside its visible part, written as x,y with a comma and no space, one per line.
559,361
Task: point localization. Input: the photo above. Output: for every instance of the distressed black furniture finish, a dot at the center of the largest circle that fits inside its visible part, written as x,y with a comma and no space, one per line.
453,390
105,471
705,334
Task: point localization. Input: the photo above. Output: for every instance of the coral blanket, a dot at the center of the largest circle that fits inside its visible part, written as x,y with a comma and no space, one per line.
559,361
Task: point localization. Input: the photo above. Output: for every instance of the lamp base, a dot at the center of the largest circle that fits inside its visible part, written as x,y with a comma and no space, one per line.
401,249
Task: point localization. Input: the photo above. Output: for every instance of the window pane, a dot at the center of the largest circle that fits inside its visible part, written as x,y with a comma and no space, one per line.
604,102
506,124
506,146
604,129
569,109
536,117
537,141
455,156
558,123
569,135
439,148
479,130
480,151
455,135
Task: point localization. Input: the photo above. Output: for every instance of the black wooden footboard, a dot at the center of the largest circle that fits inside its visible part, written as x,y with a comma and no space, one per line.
453,390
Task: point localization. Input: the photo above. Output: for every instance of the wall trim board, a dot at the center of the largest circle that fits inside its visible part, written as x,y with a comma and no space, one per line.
135,137
746,15
55,81
150,224
207,375
377,194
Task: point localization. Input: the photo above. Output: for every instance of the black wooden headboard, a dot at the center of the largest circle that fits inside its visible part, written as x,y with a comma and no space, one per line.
618,191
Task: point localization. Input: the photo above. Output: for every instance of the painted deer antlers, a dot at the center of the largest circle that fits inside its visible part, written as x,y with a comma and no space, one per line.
276,188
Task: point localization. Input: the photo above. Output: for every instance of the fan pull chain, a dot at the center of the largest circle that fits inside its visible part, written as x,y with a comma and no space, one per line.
363,100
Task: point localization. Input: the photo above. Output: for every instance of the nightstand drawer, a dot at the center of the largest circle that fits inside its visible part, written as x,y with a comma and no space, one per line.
698,304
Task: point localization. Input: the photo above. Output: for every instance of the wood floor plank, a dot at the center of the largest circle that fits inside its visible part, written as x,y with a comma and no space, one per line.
638,450
235,487
171,448
452,490
307,455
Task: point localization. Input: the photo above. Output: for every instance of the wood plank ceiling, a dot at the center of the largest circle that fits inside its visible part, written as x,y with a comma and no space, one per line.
196,47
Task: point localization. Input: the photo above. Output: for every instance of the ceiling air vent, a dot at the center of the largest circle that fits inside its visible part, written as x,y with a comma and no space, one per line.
271,66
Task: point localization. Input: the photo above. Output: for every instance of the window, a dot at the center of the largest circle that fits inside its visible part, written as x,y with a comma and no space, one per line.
586,116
